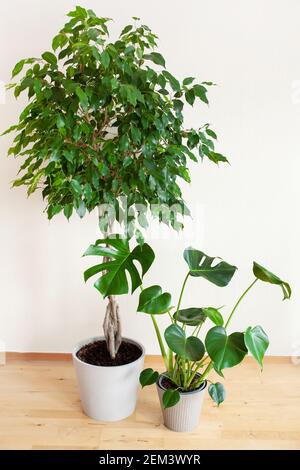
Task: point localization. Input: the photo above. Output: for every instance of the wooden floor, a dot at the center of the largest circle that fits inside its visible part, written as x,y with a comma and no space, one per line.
40,409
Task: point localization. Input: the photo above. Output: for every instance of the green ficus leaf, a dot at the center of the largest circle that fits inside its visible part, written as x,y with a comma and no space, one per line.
148,377
156,57
50,58
153,301
105,59
170,398
68,210
217,392
172,80
60,122
264,275
201,265
257,343
59,41
190,348
126,29
17,68
83,99
225,351
76,186
200,91
188,81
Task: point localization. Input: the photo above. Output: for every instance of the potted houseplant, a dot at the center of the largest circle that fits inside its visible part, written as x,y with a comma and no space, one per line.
189,360
104,129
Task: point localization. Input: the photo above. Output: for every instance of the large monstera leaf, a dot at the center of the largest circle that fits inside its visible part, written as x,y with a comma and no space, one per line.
120,264
264,275
190,348
154,301
225,351
201,265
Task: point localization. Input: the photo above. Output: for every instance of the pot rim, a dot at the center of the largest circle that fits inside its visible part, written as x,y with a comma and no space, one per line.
183,394
97,338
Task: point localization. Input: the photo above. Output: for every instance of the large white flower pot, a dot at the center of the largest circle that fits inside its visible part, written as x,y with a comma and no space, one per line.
108,393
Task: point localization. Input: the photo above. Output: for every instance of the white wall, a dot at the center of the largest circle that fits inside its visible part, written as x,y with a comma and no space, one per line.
249,210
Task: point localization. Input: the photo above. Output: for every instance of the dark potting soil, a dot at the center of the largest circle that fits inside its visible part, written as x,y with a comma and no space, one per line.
96,354
168,384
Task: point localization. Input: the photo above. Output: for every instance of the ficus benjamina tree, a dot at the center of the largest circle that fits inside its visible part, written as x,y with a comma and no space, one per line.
105,122
187,359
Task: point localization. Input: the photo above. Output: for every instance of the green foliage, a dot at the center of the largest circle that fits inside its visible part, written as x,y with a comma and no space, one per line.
190,316
190,348
152,300
201,265
264,275
120,262
257,343
214,315
188,361
217,392
225,351
148,377
103,123
170,398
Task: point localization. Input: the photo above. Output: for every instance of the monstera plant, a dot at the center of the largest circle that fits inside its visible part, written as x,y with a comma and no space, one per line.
105,127
189,360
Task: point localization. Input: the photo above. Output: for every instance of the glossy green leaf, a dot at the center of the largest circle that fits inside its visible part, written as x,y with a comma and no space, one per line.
257,343
121,262
156,57
68,210
217,392
126,29
172,80
170,398
82,97
264,275
105,59
59,41
225,351
214,315
201,265
17,68
148,377
50,58
152,300
190,316
200,91
188,81
76,186
190,348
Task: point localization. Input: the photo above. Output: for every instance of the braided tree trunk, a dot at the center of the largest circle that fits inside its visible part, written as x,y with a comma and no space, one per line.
111,324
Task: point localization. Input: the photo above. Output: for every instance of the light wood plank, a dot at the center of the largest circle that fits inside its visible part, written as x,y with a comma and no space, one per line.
40,409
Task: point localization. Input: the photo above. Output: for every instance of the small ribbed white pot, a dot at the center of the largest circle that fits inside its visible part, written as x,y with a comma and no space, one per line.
108,393
185,415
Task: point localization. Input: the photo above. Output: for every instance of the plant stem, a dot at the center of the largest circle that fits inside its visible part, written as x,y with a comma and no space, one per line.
181,293
160,341
205,374
210,365
170,355
193,375
239,301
